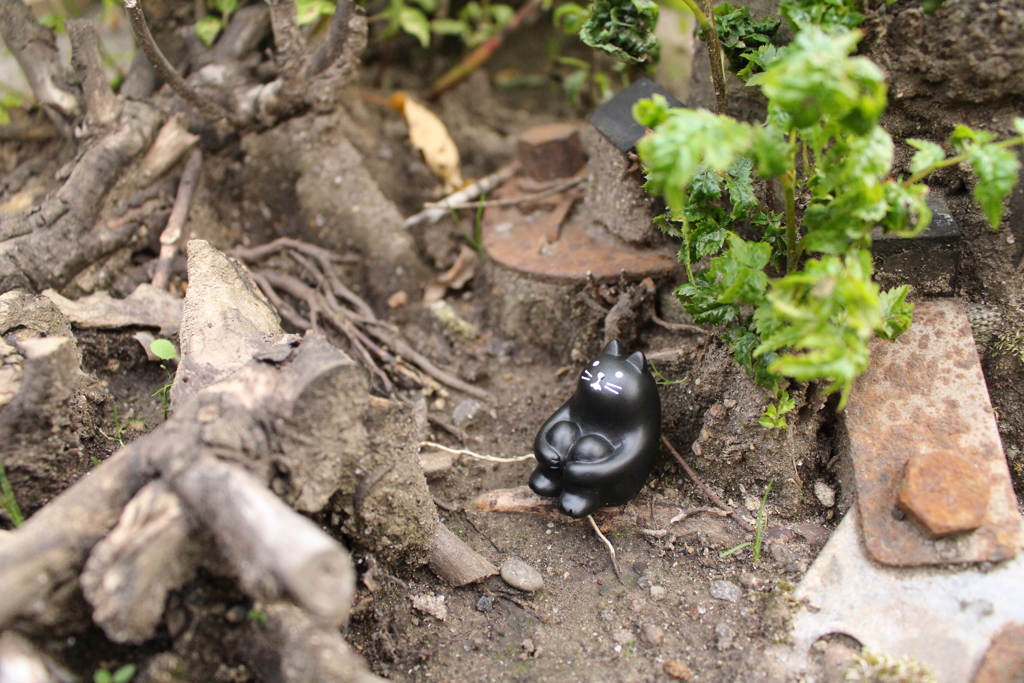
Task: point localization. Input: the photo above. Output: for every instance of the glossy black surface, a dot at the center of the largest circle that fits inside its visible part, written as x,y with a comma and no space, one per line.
599,448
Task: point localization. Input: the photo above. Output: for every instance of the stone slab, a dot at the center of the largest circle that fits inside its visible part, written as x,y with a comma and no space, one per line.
945,618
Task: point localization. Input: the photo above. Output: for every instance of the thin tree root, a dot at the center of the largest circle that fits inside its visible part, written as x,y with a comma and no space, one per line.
611,549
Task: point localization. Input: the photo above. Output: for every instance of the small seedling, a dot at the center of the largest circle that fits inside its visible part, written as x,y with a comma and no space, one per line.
759,531
661,380
7,500
165,350
774,416
257,616
122,675
118,431
734,549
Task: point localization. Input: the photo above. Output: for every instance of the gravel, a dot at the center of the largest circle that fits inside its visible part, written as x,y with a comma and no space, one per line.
725,590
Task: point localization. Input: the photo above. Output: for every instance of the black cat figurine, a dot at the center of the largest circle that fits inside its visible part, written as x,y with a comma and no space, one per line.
599,448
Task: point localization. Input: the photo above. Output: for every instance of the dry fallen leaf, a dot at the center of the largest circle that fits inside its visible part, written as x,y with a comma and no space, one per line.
428,134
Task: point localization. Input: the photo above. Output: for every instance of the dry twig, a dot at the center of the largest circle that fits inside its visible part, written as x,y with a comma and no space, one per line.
478,456
611,549
703,487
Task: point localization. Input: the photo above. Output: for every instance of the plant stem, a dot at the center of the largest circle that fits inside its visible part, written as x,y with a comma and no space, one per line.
952,161
714,47
760,522
789,186
7,500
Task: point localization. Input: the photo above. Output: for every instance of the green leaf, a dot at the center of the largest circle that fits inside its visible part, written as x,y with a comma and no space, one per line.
415,23
102,676
814,79
449,27
124,674
929,154
908,212
741,37
309,11
772,152
623,29
164,349
830,15
1019,125
570,17
701,301
897,313
650,112
741,189
427,5
684,143
208,28
738,274
997,169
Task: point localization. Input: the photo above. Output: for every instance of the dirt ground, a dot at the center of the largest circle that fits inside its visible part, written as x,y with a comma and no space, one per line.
666,622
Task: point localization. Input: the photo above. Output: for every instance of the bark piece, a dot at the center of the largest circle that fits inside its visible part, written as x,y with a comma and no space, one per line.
170,146
456,562
147,306
128,577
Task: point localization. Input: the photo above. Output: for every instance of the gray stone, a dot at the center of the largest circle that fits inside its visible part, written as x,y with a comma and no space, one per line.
725,634
485,603
466,412
518,574
726,590
657,592
825,494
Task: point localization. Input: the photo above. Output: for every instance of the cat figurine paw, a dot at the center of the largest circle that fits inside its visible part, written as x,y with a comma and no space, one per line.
599,448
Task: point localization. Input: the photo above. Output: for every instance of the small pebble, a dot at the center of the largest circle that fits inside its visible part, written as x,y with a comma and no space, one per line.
677,669
623,636
825,494
652,634
466,412
485,603
725,636
518,574
430,604
657,592
725,590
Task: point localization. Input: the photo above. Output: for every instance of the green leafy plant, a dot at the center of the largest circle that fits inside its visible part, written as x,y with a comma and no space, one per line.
774,416
791,294
740,36
476,22
624,29
7,499
121,675
210,26
257,616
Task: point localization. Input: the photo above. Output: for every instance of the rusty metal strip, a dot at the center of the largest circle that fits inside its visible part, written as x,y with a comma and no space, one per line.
926,393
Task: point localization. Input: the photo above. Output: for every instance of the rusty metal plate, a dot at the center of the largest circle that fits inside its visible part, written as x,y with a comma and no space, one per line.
925,392
533,239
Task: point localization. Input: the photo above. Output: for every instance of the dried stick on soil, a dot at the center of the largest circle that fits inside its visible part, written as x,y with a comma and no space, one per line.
456,562
434,211
561,187
210,110
171,235
611,549
703,487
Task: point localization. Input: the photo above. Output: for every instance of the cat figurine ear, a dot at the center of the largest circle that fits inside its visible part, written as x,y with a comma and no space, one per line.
613,348
637,360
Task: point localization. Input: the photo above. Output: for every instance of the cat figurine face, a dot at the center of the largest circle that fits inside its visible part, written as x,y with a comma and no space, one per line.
599,448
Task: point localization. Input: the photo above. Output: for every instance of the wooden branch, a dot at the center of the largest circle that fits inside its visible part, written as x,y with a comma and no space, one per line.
456,562
286,646
275,552
210,110
35,48
170,145
333,44
101,104
712,496
55,243
288,40
171,235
